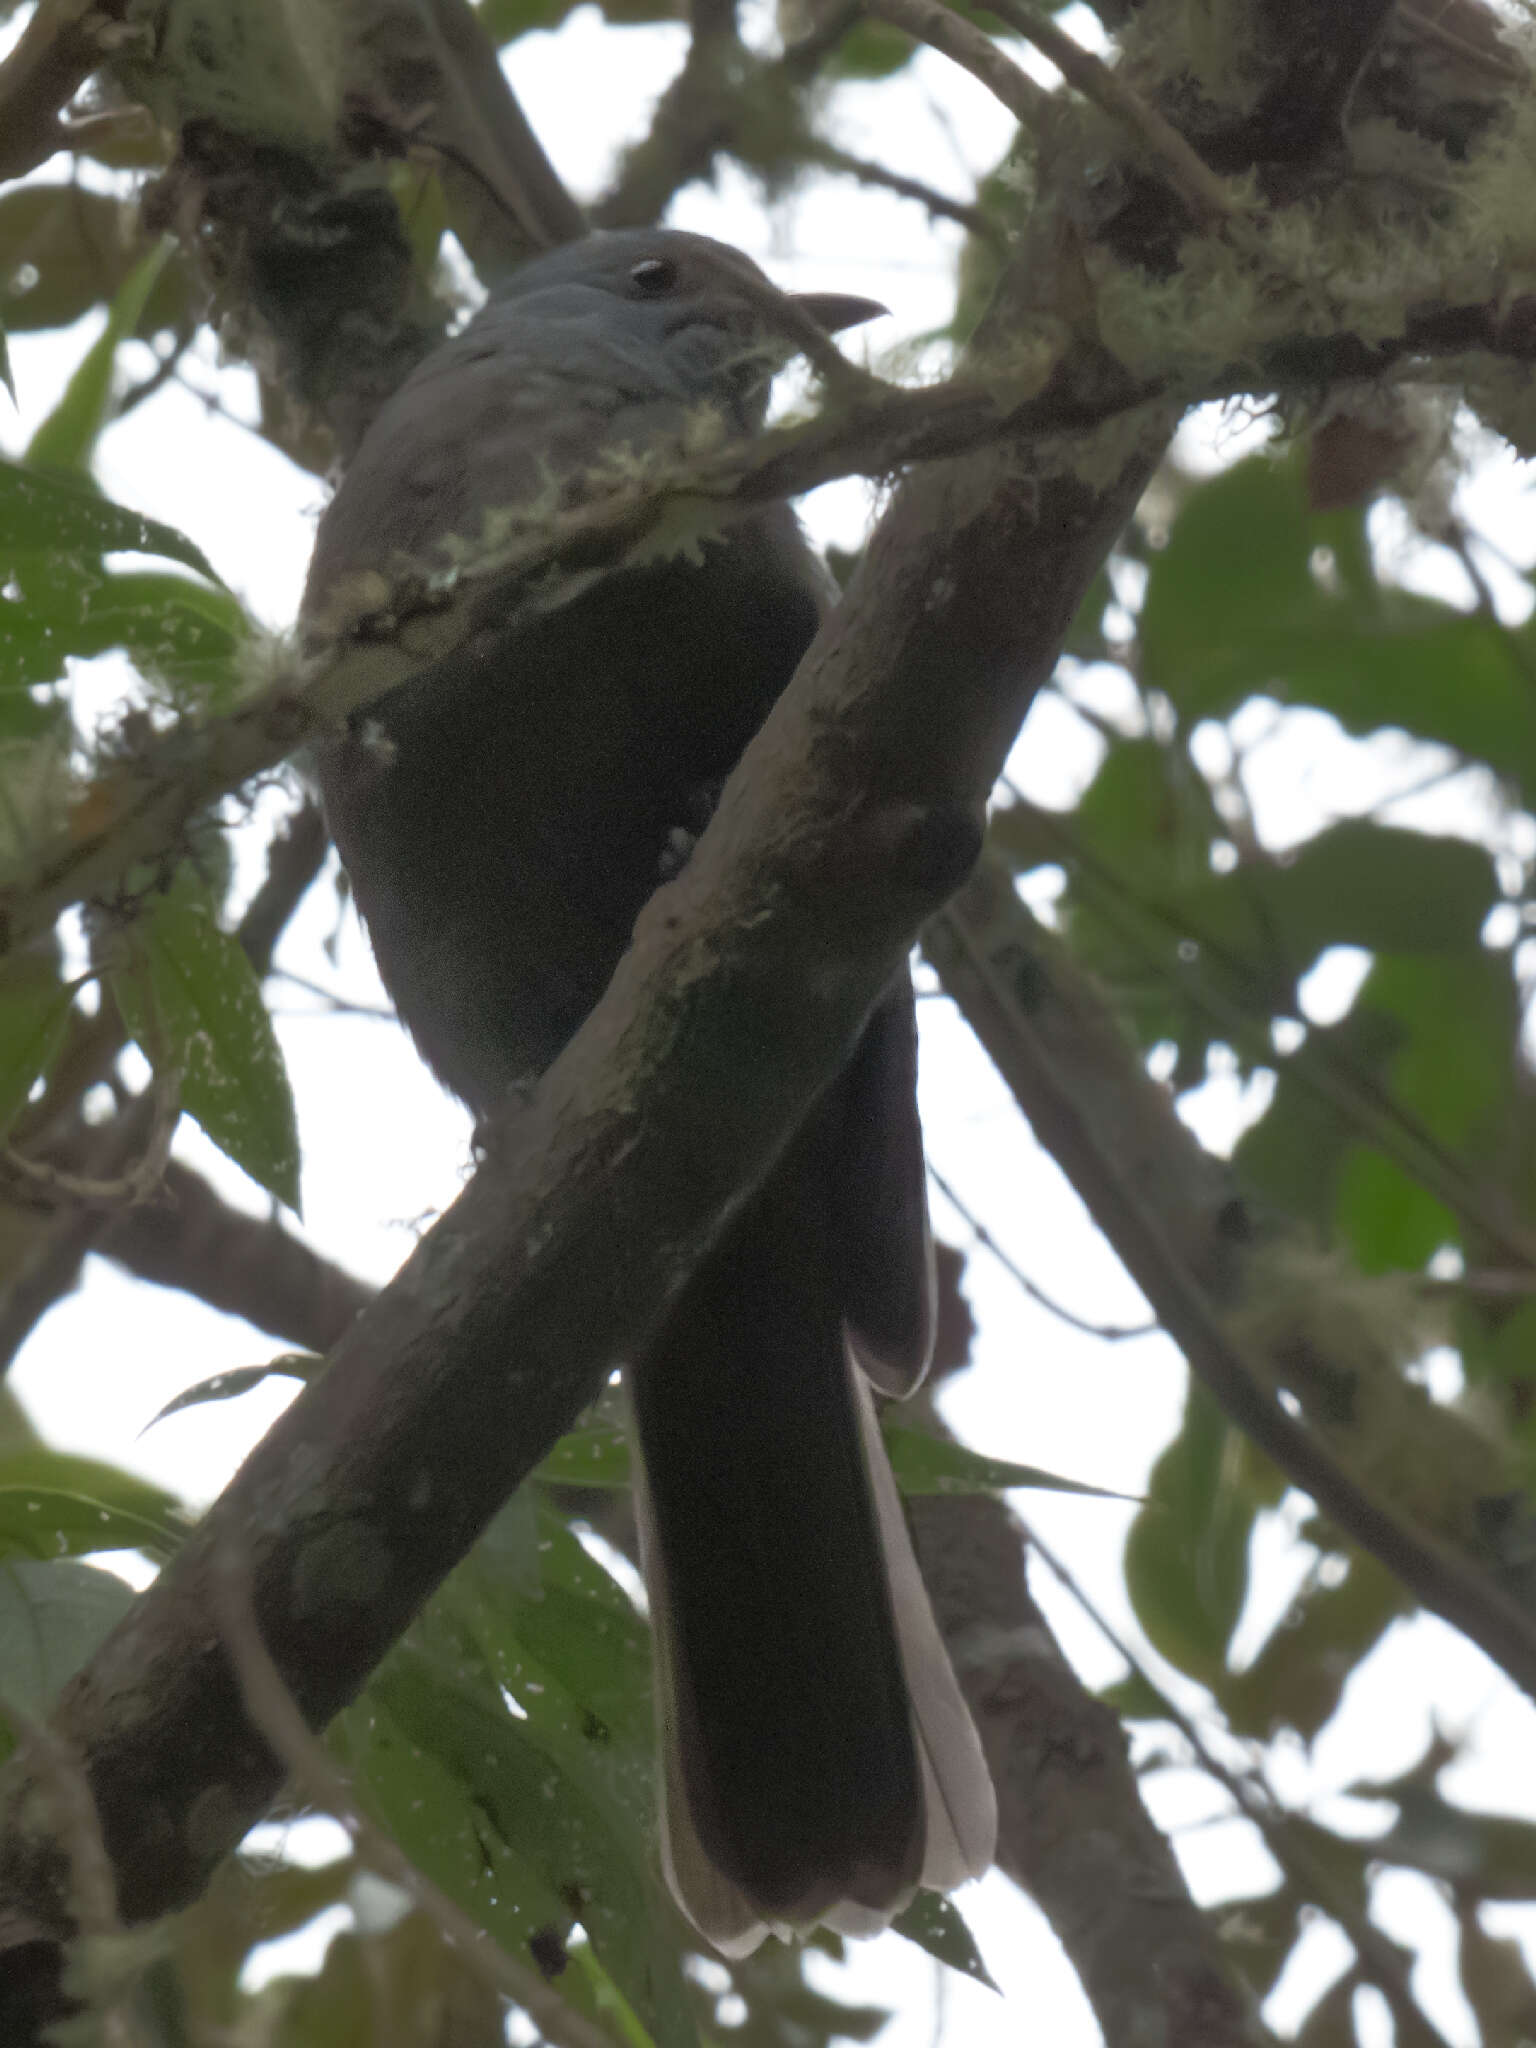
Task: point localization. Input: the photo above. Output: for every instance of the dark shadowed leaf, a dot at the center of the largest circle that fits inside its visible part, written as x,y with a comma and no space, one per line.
53,514
52,1617
67,438
936,1924
1298,1677
43,1522
64,250
596,1454
228,1386
1186,1556
34,1009
195,996
926,1464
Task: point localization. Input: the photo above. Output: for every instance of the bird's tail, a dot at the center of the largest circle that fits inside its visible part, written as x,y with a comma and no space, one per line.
818,1760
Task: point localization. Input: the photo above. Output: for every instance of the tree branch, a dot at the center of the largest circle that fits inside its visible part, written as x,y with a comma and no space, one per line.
1381,1961
43,1253
1196,184
140,810
242,1265
1072,1829
434,65
853,813
1179,1226
959,39
58,50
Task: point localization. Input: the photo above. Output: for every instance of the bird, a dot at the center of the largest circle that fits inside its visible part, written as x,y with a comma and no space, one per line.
503,816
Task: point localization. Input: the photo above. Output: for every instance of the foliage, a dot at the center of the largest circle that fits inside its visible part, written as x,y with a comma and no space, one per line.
506,1743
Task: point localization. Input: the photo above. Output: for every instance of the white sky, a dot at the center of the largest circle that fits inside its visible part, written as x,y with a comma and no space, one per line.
106,1359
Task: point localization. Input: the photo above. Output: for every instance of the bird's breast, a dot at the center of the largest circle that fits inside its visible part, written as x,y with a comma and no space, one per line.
504,816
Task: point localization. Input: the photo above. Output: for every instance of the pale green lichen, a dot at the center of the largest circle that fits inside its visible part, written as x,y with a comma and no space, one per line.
1404,227
1172,47
270,68
1343,1342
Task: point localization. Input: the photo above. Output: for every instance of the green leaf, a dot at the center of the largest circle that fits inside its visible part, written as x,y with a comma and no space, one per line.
430,1797
1233,609
28,1463
1355,884
53,1617
228,1386
1136,1698
175,630
936,1925
549,1852
5,365
49,514
197,1002
67,437
1236,565
1293,1158
1298,1678
871,49
1448,1024
34,1010
45,1522
595,1454
1186,1555
562,1783
64,250
926,1464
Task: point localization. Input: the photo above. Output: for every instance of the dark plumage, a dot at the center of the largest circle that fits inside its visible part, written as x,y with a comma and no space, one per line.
504,816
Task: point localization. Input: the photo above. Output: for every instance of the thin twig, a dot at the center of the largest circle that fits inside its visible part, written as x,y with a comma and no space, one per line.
1109,1333
927,21
142,810
341,1006
1492,57
1196,183
38,1184
972,218
275,1712
1382,1963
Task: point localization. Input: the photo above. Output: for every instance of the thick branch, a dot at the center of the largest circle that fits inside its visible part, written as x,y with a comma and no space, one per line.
58,50
249,1266
852,815
1072,1829
140,811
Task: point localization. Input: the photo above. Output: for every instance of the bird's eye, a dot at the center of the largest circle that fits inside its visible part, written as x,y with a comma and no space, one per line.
653,276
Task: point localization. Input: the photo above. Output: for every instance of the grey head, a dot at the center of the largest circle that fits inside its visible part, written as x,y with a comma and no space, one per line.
662,295
616,339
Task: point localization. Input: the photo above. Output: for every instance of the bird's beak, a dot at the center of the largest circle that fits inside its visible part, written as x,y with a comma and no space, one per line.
836,310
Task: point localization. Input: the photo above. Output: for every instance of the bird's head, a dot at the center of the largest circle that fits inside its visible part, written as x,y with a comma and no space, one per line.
718,319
